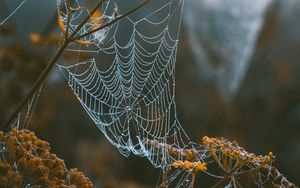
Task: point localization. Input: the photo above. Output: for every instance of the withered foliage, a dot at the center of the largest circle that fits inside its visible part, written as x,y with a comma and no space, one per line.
235,162
27,160
228,161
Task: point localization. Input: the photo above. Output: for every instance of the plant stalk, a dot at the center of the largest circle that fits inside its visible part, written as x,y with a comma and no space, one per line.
36,84
67,40
113,21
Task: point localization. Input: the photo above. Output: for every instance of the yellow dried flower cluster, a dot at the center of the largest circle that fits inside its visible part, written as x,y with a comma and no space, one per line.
233,150
193,167
232,159
187,154
8,177
25,159
235,160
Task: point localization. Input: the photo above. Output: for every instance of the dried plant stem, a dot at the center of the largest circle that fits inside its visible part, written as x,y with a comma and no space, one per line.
86,18
165,179
193,179
68,18
68,39
113,21
36,84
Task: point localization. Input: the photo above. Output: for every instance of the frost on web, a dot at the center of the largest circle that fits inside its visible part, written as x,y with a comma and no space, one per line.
128,88
223,34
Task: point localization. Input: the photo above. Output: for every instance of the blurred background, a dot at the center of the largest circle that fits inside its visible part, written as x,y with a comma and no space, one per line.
238,76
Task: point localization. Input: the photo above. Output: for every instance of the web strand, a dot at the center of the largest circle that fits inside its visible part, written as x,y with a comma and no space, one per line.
13,12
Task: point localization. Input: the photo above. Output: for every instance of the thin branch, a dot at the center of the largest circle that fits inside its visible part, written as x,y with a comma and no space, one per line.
59,52
113,21
216,158
36,84
193,179
53,22
68,18
87,18
222,182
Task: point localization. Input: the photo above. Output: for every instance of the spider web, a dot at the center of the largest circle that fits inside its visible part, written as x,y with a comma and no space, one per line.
128,88
223,35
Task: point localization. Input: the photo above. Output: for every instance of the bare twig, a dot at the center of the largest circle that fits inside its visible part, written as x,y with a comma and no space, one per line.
113,21
68,39
36,84
68,18
86,18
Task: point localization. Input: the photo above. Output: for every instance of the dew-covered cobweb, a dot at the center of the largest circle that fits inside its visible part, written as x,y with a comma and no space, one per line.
223,34
124,78
128,88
